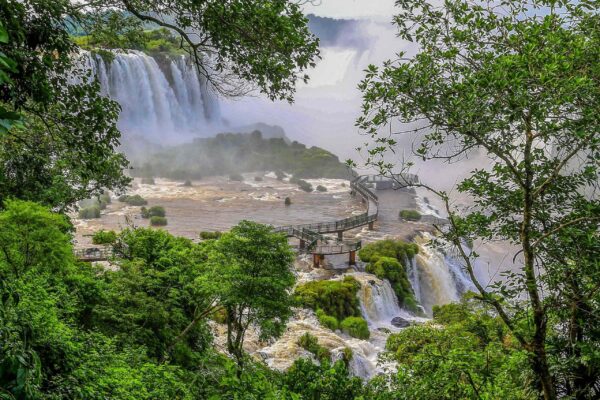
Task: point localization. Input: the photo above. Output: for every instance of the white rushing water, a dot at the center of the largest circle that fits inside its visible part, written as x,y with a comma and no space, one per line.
159,97
439,274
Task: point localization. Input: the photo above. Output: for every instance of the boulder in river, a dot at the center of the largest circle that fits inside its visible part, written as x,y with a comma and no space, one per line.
400,322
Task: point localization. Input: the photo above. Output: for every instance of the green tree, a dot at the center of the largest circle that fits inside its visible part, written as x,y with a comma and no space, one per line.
519,82
159,297
327,381
464,353
56,156
252,266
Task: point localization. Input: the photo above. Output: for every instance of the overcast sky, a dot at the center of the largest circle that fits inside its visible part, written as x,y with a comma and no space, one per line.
352,8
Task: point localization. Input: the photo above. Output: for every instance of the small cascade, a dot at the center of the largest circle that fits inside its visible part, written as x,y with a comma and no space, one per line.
159,97
413,277
282,353
378,302
441,279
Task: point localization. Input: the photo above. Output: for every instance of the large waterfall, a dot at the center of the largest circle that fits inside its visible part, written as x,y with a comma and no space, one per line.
160,97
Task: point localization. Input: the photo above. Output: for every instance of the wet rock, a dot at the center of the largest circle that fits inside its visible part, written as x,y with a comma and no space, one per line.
384,330
400,322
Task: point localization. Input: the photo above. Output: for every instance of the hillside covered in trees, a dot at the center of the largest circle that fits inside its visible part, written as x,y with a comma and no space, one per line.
230,153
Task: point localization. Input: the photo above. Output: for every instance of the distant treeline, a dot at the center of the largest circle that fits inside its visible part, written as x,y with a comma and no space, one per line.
230,153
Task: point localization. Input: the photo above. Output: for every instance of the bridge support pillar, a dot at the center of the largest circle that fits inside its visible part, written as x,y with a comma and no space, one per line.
340,235
352,260
316,260
302,244
371,225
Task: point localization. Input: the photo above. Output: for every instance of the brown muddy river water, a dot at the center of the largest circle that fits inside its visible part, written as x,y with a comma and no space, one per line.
216,203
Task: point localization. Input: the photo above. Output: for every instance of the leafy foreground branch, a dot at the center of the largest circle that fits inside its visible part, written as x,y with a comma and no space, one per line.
519,83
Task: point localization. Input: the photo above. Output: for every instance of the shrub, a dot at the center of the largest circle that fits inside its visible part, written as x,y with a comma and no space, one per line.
135,200
387,260
157,211
219,315
388,248
288,201
148,181
104,237
89,212
321,188
280,175
206,235
311,344
356,327
158,221
410,215
236,177
258,178
327,320
335,297
104,198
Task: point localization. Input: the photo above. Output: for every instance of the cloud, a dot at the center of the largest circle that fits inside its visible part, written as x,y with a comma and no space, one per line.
352,8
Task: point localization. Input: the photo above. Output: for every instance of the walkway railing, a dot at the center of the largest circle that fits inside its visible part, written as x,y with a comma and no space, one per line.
318,244
94,254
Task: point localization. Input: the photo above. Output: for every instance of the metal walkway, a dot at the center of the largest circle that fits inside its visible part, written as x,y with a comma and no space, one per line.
311,235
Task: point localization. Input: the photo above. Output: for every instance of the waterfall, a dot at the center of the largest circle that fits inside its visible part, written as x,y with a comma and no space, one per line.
439,274
161,98
378,302
413,277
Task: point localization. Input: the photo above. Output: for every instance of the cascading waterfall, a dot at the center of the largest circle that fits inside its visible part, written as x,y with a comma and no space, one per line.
413,277
160,97
439,274
378,302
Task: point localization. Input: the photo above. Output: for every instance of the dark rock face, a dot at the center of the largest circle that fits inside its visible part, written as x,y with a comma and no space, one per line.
400,322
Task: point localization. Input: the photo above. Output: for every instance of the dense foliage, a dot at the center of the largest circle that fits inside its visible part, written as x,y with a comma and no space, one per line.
231,154
104,237
336,298
54,156
518,82
464,353
387,259
138,331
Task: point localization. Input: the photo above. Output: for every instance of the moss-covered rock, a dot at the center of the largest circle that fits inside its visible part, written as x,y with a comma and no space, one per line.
158,221
356,327
410,215
335,297
387,260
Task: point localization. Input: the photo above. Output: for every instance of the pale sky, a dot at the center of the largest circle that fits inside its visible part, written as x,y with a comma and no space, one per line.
352,8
